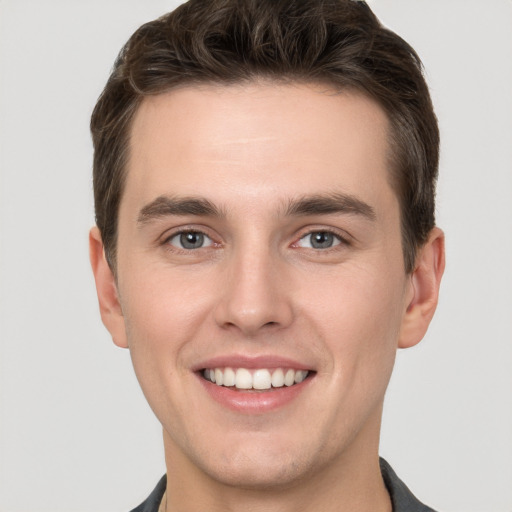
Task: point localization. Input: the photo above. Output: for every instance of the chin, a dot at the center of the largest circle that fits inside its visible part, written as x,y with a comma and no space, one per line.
259,475
260,466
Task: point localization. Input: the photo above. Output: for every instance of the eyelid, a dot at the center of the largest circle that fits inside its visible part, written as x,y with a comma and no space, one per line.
179,230
336,240
344,237
207,241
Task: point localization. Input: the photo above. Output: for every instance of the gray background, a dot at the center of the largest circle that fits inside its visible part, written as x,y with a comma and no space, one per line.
75,431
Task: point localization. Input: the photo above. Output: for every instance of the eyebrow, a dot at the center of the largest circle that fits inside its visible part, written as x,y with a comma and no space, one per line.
164,206
317,204
330,204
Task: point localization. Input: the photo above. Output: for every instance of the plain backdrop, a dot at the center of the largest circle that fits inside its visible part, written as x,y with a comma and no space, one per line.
75,432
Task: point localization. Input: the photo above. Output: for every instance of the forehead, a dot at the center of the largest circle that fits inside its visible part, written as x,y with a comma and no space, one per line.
254,138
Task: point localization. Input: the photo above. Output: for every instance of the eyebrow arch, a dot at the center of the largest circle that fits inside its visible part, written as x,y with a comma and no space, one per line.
330,203
318,204
163,206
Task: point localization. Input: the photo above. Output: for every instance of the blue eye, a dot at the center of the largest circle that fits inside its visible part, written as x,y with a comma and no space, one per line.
190,240
320,240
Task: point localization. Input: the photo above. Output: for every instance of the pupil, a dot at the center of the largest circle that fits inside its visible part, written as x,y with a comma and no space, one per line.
321,240
191,240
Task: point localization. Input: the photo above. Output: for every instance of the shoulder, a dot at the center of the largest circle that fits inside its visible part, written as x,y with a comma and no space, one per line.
152,503
402,498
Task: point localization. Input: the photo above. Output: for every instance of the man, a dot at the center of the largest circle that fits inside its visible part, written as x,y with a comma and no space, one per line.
264,178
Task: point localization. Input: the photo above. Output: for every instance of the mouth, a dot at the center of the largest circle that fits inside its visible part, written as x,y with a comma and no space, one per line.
258,379
255,385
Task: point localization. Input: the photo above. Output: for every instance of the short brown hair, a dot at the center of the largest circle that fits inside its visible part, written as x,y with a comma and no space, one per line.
337,42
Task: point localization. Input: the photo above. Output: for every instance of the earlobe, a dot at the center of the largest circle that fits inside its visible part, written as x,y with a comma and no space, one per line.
424,284
106,289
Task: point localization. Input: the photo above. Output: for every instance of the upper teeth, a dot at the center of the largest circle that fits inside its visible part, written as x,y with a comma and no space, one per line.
242,378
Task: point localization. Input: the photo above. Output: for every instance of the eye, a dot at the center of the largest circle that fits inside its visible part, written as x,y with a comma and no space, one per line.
320,240
190,240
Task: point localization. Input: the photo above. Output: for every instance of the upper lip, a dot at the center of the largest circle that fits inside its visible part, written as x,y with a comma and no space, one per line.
251,362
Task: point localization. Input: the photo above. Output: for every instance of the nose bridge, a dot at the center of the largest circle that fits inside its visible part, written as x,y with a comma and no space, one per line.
254,294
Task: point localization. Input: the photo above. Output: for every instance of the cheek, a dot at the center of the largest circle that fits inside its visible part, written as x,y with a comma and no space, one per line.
163,302
162,316
163,312
359,316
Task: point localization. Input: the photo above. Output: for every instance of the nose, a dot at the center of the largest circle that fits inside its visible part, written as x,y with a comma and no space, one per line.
254,296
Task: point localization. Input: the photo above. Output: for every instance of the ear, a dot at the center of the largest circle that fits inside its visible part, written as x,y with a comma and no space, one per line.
106,288
424,290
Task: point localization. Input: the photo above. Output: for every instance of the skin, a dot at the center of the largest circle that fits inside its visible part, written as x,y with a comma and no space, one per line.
258,287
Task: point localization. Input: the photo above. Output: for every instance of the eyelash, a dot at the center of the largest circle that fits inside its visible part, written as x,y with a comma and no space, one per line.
185,231
341,239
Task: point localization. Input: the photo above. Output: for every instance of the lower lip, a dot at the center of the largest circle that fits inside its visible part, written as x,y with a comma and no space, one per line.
254,402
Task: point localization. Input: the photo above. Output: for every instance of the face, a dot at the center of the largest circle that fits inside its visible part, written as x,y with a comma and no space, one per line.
259,244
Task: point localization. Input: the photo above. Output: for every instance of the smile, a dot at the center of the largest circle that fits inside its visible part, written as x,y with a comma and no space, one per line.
256,385
258,379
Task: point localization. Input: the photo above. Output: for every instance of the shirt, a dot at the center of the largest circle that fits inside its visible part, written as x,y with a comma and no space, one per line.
402,499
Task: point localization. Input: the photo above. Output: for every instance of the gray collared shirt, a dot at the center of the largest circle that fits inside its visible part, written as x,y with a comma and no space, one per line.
402,498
